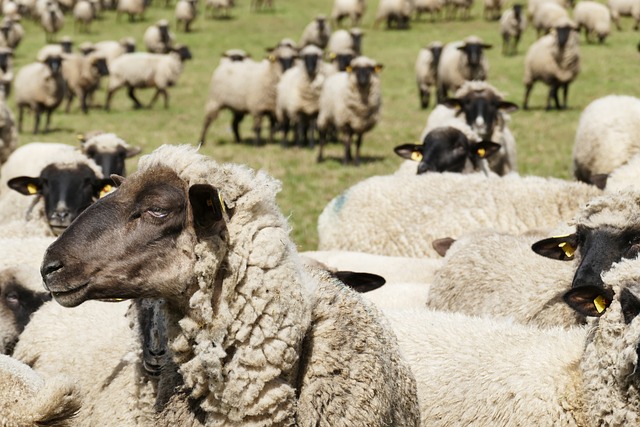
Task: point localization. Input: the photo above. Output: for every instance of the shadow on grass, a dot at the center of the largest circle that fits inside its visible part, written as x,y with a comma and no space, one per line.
363,160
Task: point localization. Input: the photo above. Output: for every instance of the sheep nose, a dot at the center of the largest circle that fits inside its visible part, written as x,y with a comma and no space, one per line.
61,215
50,268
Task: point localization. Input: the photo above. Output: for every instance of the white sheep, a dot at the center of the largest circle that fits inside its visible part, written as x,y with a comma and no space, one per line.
427,71
350,103
595,18
461,61
111,49
259,351
547,16
158,38
51,20
109,151
512,24
84,12
186,12
620,8
448,204
396,13
317,32
8,131
247,87
353,9
11,32
345,40
432,7
82,74
259,5
606,137
532,5
39,86
553,59
133,8
219,8
492,9
147,70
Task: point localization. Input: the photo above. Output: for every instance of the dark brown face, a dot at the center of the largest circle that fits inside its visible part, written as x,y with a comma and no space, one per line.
136,242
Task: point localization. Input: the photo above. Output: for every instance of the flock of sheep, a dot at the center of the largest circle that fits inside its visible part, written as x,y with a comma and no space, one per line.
453,291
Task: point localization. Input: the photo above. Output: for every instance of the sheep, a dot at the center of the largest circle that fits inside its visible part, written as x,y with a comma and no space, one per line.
260,5
11,32
27,400
454,5
112,49
219,8
426,71
492,9
346,40
133,8
109,152
450,203
624,8
64,46
622,178
353,9
396,13
82,76
595,18
432,7
158,38
247,87
10,8
547,16
234,55
316,32
606,136
8,131
298,94
461,61
512,24
39,86
350,102
532,5
186,12
555,60
144,70
6,70
229,363
84,12
51,20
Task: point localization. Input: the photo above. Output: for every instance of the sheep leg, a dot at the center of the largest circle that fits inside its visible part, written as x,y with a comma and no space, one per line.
257,128
285,126
36,123
69,101
157,95
347,148
358,144
565,94
312,132
237,118
273,127
20,116
131,92
322,139
48,122
107,103
527,92
84,102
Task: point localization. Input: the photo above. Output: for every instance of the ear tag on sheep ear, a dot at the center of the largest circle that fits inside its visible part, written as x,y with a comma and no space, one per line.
220,206
348,69
567,249
332,55
377,68
106,190
416,156
32,189
272,58
481,153
600,303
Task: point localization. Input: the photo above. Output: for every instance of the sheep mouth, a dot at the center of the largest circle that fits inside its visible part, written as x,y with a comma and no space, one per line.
71,297
58,229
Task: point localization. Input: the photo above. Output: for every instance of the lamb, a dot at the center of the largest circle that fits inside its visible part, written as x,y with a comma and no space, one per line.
450,203
461,61
555,60
247,87
606,136
298,94
427,70
133,8
395,12
8,131
11,32
186,12
39,86
350,102
109,152
27,400
271,373
432,7
158,38
547,16
595,18
512,24
219,8
317,32
147,70
346,40
82,74
112,49
353,9
51,20
84,12
624,8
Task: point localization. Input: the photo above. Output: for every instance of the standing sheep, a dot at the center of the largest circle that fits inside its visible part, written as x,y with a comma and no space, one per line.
350,103
492,9
111,49
109,152
353,9
532,5
316,32
51,20
158,38
186,12
620,8
346,40
432,7
555,60
147,70
285,358
133,8
39,86
427,71
396,13
595,18
6,70
461,61
11,32
84,12
82,76
218,8
547,16
512,24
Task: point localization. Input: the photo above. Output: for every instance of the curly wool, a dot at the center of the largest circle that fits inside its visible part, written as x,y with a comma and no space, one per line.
617,210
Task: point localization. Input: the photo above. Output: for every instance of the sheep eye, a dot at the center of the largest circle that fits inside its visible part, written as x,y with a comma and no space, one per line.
158,212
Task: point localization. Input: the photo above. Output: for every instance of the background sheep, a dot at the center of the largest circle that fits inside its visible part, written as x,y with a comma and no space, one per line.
547,16
449,203
65,45
212,358
111,49
461,61
396,13
492,9
512,24
51,20
157,38
219,8
84,12
595,18
82,74
432,7
317,32
346,40
606,137
532,5
109,152
353,9
454,5
133,8
350,102
147,70
186,12
39,87
620,8
622,178
8,131
427,70
555,60
11,32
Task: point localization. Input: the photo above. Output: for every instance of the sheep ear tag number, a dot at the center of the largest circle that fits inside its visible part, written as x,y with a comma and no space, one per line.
207,205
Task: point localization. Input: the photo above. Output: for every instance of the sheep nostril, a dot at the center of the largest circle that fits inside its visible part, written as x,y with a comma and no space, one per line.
51,267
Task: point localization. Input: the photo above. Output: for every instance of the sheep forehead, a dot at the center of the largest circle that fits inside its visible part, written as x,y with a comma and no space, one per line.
363,61
311,50
477,86
106,142
618,210
473,40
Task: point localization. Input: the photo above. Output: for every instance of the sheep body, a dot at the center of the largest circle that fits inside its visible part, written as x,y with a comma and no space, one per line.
186,12
11,32
8,132
354,9
51,20
112,49
84,12
454,67
82,74
532,5
512,24
345,40
133,8
433,7
427,71
624,8
547,15
394,11
157,38
625,177
219,8
594,17
316,32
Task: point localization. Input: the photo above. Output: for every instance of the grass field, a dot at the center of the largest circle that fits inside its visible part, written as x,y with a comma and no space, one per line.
544,139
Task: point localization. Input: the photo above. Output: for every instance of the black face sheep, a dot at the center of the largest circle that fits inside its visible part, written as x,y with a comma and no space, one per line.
346,40
461,61
111,49
620,8
133,8
109,152
317,32
11,32
512,24
158,38
256,337
52,20
82,74
427,71
84,12
396,13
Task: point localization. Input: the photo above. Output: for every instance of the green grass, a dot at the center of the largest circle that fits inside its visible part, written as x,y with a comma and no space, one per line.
544,139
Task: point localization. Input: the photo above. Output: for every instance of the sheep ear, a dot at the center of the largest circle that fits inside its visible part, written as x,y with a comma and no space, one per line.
26,185
589,300
599,180
507,107
561,248
452,103
360,282
378,68
409,151
630,305
486,46
485,149
443,245
133,151
117,179
207,206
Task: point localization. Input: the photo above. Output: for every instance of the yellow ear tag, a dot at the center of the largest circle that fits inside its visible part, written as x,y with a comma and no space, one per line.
224,210
482,152
106,190
377,68
416,156
32,189
600,303
348,69
272,58
332,55
568,249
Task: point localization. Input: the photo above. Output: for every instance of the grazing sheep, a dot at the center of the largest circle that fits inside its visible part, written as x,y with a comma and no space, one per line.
39,86
346,40
82,76
8,131
84,12
555,60
352,9
547,16
432,7
6,70
298,95
291,356
625,177
186,12
147,70
606,137
595,18
512,24
11,32
158,38
247,87
350,103
27,400
461,61
112,49
133,8
317,32
109,152
450,203
620,8
51,20
397,14
219,8
260,5
492,9
427,71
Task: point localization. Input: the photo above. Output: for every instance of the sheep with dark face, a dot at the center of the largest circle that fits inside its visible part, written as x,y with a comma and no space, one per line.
461,61
512,24
11,32
109,152
157,38
82,74
317,32
427,71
